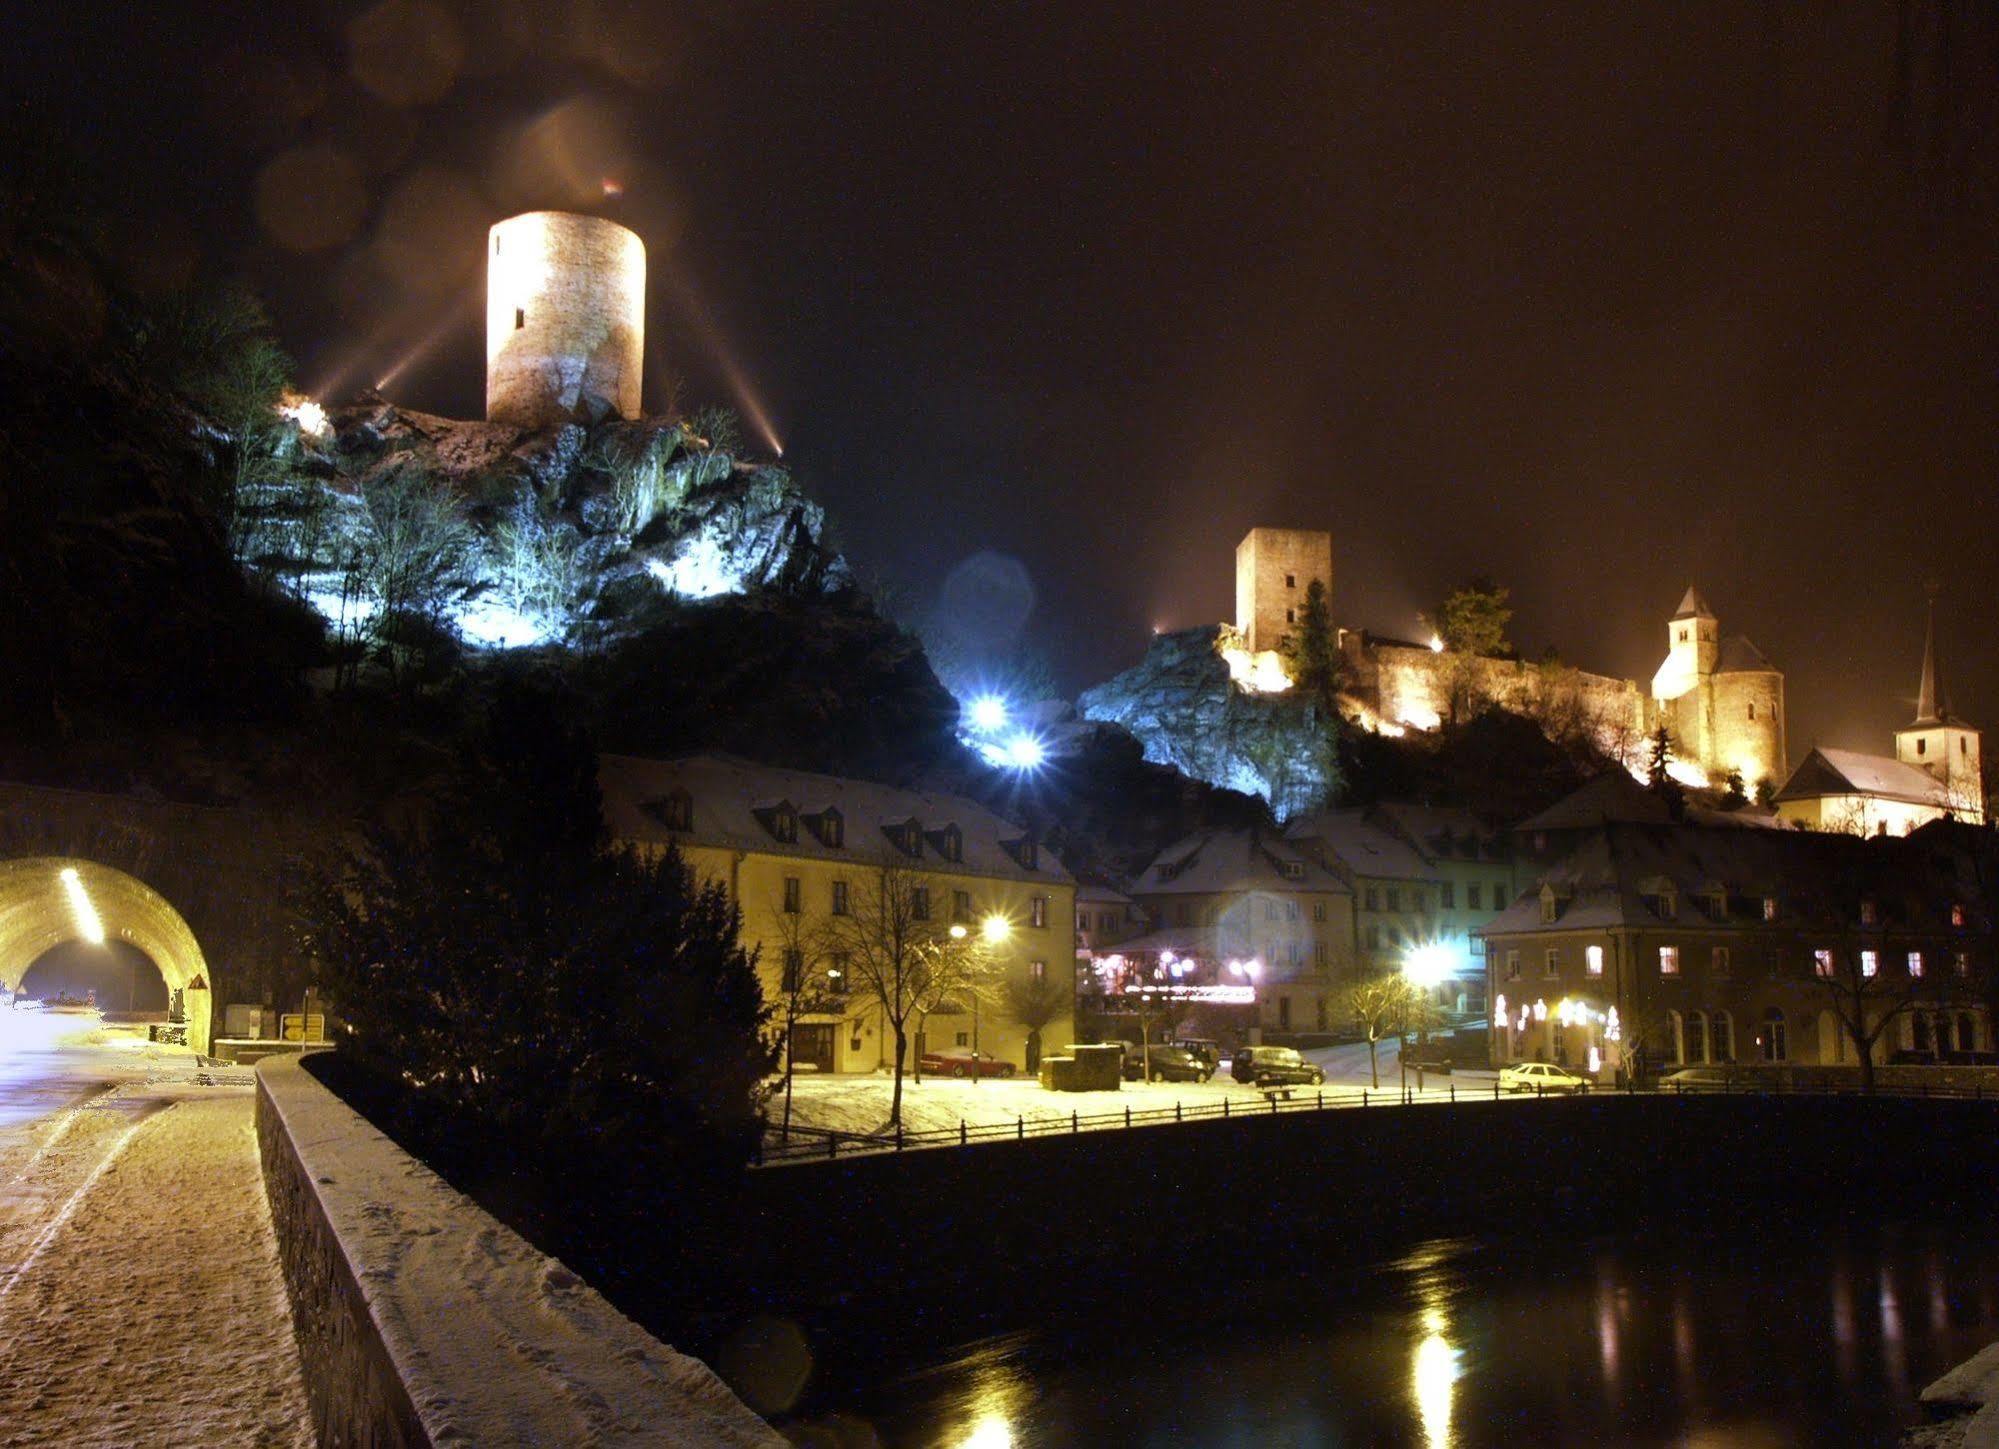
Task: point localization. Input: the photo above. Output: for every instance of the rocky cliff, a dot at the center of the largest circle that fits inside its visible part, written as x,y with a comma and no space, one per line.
1181,705
516,537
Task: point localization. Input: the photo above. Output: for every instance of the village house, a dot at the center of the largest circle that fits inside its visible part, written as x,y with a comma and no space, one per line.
1243,914
796,850
1641,947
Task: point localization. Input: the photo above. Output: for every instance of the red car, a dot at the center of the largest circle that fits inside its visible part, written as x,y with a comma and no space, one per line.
964,1062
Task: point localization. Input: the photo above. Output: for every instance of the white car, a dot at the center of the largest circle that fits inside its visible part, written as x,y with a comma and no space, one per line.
1540,1077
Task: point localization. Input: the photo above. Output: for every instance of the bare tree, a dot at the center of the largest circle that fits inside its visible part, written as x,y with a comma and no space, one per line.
1865,996
805,985
1032,1005
905,959
1378,1006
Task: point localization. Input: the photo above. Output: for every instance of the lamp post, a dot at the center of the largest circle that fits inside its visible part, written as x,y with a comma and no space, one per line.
1423,968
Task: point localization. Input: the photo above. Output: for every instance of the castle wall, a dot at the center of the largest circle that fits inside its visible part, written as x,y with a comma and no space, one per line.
565,319
1413,687
1273,569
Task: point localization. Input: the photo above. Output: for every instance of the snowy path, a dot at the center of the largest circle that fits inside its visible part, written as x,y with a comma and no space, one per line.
140,1296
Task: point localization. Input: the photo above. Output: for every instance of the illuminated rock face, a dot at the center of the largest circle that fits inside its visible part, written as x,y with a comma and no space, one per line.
565,320
1184,710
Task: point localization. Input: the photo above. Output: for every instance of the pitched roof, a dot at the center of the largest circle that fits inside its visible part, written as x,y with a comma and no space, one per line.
1219,861
1738,656
1849,772
726,794
1612,796
1612,878
1693,605
1346,836
1442,832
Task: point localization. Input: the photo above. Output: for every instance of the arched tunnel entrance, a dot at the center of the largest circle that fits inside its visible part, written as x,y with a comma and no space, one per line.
48,902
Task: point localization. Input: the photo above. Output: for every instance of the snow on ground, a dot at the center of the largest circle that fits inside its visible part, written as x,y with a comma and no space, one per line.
859,1103
141,1300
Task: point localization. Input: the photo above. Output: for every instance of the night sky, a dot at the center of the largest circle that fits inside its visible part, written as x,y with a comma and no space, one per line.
1597,303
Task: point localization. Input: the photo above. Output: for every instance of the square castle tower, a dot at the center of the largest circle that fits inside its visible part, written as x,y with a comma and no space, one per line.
1273,569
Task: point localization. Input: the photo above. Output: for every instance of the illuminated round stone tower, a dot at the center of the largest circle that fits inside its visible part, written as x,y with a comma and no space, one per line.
565,319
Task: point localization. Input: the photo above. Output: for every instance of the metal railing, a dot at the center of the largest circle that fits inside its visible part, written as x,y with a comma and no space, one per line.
819,1144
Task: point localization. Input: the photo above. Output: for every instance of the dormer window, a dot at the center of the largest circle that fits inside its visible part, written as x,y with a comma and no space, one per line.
781,820
675,810
831,828
1668,903
1293,869
906,836
1870,913
1028,856
949,843
1550,908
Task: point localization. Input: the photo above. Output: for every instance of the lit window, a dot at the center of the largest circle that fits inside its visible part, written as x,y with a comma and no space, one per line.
1956,914
1961,963
791,892
1915,963
1593,960
1822,963
1669,960
1769,908
1037,912
1870,963
1038,970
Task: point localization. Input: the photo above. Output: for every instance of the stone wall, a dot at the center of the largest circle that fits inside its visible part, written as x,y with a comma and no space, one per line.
1749,728
424,1320
1264,560
565,320
1412,686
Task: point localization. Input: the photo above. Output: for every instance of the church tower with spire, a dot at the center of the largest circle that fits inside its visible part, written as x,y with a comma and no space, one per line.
1938,742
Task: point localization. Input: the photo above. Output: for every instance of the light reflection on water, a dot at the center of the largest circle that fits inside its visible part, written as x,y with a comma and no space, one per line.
1760,1335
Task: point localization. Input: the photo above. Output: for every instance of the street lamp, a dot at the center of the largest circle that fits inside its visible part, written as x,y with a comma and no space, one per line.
1424,968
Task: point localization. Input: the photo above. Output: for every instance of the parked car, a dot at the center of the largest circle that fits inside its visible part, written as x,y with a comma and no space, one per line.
1541,1077
1175,1064
1206,1048
1268,1066
964,1062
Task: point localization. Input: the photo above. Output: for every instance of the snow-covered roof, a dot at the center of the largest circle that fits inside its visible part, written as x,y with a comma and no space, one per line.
1442,832
1612,796
1721,877
1365,849
1094,892
1849,772
730,800
1212,861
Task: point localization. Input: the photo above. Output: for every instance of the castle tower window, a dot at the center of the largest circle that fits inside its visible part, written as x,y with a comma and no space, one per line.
1291,581
1922,747
1752,709
520,318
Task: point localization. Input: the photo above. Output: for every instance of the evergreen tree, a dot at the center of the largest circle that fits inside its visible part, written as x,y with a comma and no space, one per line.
1314,657
1659,779
1473,619
560,1003
1734,796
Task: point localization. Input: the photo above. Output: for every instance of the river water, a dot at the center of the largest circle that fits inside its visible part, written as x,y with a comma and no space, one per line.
1766,1332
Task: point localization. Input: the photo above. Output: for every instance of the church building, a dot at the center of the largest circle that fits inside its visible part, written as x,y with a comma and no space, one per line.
1935,773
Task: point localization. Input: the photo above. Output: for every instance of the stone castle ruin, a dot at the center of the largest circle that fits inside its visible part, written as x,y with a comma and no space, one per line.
1720,699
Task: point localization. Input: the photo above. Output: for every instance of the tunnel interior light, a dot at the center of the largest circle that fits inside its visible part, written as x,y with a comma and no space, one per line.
88,924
